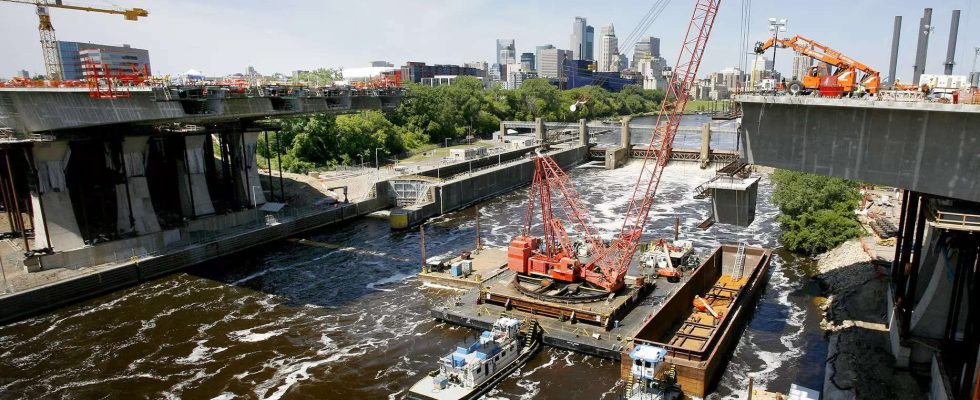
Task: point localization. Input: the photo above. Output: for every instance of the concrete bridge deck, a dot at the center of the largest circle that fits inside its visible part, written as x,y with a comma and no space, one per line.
926,147
25,111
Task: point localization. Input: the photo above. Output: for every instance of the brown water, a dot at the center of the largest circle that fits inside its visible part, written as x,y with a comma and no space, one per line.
294,321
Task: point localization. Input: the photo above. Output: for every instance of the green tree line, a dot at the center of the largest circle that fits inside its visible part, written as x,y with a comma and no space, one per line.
816,212
430,115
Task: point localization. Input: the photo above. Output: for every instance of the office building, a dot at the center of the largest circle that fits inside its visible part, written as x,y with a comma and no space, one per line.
119,59
440,80
801,64
589,43
553,63
647,47
481,66
537,56
578,39
24,74
416,71
516,75
527,61
762,69
608,58
505,44
578,73
655,72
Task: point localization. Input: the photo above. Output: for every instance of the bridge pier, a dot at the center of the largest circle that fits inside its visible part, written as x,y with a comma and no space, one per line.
705,145
583,132
135,211
540,133
55,226
192,178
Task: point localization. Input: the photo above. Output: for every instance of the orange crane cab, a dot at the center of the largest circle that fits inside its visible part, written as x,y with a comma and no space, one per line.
831,63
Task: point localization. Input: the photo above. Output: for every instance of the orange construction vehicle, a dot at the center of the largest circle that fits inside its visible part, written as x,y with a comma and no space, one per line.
845,69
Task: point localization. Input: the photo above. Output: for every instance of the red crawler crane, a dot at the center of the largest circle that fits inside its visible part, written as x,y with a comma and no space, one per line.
610,262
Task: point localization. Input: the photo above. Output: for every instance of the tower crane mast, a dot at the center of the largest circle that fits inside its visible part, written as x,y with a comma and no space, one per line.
49,44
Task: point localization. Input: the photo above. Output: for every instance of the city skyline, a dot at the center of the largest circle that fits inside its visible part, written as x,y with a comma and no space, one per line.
467,33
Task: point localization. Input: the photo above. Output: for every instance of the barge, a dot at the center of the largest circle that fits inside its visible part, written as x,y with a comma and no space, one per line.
696,329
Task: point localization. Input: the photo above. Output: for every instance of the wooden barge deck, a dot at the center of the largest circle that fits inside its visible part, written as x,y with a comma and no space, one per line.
698,343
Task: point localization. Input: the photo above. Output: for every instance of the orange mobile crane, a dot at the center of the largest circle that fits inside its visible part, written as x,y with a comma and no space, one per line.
846,68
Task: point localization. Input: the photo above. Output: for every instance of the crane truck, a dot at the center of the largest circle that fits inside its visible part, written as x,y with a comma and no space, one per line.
830,63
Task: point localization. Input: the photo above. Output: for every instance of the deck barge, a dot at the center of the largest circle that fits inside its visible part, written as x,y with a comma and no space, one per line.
700,323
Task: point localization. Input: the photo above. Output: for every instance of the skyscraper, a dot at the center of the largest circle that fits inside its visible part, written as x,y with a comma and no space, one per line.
589,42
608,58
578,42
505,44
801,64
537,56
647,47
527,61
553,62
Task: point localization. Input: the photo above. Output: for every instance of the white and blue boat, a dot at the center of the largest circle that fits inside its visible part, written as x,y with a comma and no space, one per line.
478,365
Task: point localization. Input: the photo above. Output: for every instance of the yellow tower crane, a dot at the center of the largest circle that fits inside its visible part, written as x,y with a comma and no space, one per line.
49,45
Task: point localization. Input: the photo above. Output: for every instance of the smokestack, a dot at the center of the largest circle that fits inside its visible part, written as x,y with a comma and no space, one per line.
925,26
954,28
893,63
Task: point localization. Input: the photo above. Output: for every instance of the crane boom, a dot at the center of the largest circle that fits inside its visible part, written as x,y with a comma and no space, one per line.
49,44
824,53
616,258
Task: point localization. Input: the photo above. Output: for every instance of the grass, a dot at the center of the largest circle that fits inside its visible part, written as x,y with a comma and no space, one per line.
428,153
694,106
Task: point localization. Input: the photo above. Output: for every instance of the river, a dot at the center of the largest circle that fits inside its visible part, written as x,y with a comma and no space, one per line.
290,320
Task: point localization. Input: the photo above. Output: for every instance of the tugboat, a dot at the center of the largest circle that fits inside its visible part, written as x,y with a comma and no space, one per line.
477,366
650,377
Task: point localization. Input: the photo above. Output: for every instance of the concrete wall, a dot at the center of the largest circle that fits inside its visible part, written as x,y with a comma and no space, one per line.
464,191
931,148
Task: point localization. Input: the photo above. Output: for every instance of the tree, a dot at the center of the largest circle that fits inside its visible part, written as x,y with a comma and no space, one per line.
319,76
816,211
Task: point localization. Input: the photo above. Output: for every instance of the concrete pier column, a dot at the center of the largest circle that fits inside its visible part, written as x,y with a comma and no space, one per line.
705,145
246,170
54,222
134,194
539,132
195,199
583,132
624,135
503,131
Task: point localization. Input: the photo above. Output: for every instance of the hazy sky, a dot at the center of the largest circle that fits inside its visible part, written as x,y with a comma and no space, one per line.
219,37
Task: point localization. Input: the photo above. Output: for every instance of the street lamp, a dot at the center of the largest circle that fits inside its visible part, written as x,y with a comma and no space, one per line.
376,164
775,27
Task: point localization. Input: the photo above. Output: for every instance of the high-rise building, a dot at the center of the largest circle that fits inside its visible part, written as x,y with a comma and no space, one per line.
117,58
494,74
537,56
578,39
589,43
553,62
608,58
647,47
480,66
527,61
505,44
622,63
24,74
516,75
761,69
801,64
655,72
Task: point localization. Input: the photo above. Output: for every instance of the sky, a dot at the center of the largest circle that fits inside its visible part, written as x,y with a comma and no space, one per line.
221,37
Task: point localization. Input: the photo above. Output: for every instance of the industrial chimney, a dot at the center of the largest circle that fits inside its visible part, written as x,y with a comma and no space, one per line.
954,28
925,27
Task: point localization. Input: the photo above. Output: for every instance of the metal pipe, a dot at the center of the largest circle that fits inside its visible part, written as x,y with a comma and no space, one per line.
954,28
893,61
922,48
268,159
13,190
282,190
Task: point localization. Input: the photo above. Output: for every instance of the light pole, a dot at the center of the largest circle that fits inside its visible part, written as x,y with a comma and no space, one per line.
775,27
376,164
973,72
